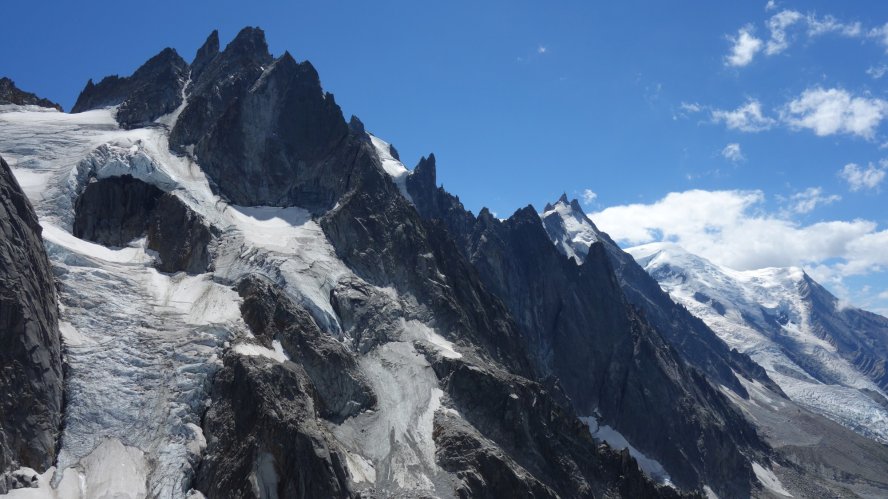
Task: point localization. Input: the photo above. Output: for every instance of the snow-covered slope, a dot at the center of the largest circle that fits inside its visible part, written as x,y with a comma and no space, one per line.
769,314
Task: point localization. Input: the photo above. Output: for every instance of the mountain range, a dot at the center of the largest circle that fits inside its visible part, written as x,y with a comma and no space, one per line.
214,285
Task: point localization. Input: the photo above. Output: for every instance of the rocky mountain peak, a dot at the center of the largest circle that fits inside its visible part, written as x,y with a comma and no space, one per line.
205,54
153,90
249,43
10,94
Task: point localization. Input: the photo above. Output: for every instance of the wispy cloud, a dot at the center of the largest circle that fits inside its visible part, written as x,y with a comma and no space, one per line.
778,24
542,50
787,25
744,47
864,178
589,196
732,152
746,118
877,72
809,199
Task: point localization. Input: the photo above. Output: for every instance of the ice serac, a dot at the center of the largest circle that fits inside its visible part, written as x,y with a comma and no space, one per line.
573,233
30,351
11,94
153,90
577,325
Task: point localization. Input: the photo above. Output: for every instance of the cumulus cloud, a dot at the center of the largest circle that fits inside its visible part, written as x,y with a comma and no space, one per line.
745,46
771,5
809,199
734,229
746,118
732,152
778,24
589,196
864,178
832,111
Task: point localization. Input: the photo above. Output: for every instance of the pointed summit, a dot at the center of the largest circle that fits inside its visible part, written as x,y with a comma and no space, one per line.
563,198
205,54
249,42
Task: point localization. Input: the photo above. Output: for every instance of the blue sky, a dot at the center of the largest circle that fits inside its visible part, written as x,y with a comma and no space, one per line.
748,113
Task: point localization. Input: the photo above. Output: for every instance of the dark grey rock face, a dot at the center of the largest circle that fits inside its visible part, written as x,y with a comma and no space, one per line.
577,325
523,443
341,389
181,237
30,350
153,90
218,82
698,344
265,122
10,94
264,438
529,446
115,211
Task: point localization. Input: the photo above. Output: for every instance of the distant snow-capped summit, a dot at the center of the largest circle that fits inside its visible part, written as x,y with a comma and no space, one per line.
825,356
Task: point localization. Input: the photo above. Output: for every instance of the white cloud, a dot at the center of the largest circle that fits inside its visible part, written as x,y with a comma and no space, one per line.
877,72
807,200
832,111
771,5
732,228
691,107
778,24
732,152
744,48
864,178
880,34
542,50
589,196
829,24
746,118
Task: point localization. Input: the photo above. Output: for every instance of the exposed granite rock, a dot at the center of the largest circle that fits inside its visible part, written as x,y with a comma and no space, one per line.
341,389
181,237
384,241
577,325
10,94
153,90
283,139
696,342
221,79
30,350
115,211
532,446
264,438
